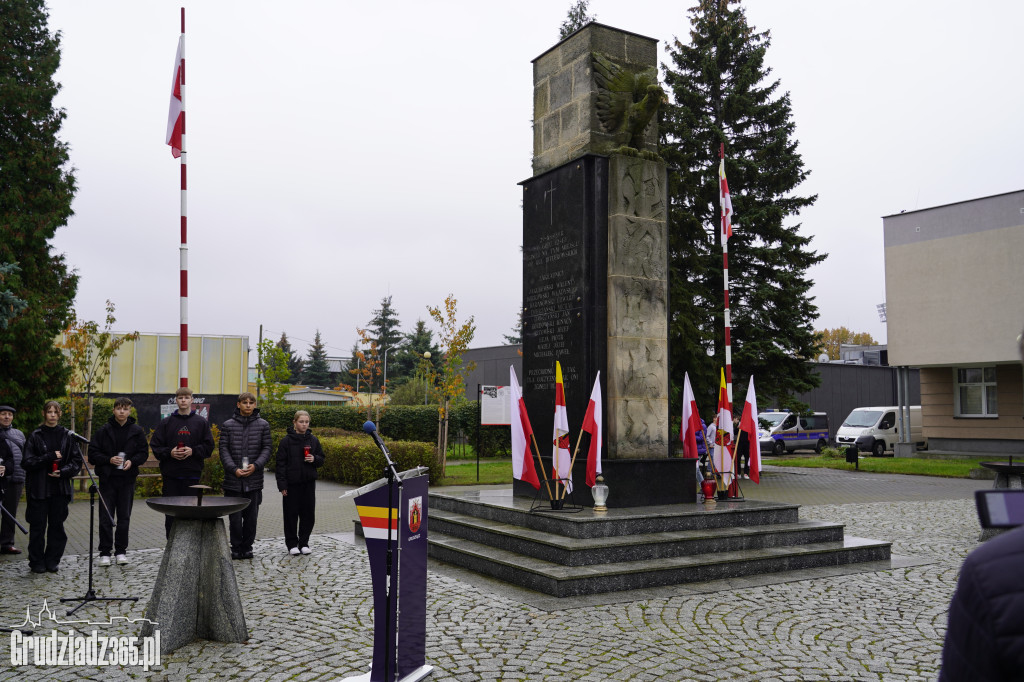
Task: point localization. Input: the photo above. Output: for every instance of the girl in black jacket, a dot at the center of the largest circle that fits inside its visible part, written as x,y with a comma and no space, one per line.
51,460
298,457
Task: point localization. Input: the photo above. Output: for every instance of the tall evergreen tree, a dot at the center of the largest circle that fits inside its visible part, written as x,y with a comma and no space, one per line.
317,371
407,360
295,362
722,94
36,189
384,328
575,19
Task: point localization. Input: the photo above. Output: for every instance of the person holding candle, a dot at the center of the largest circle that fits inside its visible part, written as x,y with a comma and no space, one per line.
51,459
298,456
181,442
117,450
244,451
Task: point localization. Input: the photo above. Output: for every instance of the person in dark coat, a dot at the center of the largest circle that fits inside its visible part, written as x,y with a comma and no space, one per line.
117,450
985,634
299,455
244,451
181,442
15,483
51,460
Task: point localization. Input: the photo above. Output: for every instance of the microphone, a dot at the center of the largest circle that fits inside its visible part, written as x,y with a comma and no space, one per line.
371,431
80,439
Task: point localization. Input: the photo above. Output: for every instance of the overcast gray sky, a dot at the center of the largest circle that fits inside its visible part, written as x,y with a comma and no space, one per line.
343,151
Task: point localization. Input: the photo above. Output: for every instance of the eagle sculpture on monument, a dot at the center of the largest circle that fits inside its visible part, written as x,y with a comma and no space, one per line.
626,103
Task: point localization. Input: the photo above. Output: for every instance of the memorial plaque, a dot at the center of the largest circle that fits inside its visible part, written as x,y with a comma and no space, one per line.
564,291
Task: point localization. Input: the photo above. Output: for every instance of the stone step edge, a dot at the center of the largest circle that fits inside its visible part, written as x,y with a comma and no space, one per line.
563,542
557,572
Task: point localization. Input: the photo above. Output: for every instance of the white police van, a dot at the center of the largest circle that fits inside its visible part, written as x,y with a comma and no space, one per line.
876,429
783,432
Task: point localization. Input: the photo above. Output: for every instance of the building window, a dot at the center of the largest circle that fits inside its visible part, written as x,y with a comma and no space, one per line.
975,392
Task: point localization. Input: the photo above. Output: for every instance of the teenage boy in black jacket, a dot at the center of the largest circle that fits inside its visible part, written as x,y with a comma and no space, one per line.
181,442
117,450
244,451
51,460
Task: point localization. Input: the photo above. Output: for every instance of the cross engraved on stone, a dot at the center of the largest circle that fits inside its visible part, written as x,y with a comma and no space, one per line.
551,190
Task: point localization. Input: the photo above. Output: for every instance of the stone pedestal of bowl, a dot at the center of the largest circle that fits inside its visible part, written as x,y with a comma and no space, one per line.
196,594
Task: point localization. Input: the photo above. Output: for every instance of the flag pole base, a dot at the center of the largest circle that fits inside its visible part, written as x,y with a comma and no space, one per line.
565,504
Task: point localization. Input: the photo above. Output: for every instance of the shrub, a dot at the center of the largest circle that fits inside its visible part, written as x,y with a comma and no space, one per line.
355,460
833,453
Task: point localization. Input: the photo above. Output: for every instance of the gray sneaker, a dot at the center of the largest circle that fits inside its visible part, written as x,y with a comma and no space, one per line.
122,559
104,561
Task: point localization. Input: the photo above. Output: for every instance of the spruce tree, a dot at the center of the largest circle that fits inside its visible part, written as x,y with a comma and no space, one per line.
408,359
722,93
317,372
36,189
295,363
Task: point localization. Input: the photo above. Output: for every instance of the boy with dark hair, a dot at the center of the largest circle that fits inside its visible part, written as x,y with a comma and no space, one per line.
117,450
244,451
14,484
181,442
51,460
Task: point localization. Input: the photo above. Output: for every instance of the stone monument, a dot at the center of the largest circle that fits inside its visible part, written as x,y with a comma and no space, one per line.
595,262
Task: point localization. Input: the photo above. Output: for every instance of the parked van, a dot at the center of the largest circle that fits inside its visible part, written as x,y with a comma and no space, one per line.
876,429
783,432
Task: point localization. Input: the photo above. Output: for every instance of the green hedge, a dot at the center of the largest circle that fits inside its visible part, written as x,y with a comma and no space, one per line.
400,422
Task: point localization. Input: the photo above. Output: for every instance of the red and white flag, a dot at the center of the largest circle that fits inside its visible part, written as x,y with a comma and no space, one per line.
726,202
522,462
748,425
691,425
592,425
561,460
722,457
176,113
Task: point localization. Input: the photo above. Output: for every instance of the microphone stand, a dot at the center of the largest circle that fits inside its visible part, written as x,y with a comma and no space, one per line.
90,594
391,474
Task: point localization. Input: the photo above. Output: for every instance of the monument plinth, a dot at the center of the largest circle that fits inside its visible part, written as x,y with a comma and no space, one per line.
595,261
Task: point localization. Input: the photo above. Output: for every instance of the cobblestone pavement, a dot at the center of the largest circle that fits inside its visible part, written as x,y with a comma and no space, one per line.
310,617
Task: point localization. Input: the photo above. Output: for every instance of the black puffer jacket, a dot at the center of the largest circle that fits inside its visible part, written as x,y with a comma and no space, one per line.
38,460
244,437
985,637
103,446
292,466
16,439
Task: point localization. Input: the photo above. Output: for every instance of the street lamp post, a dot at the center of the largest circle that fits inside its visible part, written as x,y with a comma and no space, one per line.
385,385
426,381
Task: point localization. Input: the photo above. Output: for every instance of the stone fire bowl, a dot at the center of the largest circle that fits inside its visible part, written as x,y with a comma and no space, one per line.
187,507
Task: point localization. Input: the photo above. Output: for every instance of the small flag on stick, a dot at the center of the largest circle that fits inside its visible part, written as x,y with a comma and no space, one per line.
561,459
691,421
522,432
592,425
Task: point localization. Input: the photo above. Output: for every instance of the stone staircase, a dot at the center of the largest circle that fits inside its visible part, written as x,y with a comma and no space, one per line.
568,554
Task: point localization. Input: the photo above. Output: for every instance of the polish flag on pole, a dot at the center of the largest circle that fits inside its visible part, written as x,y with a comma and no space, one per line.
726,202
723,435
691,421
592,425
176,113
522,462
748,425
561,459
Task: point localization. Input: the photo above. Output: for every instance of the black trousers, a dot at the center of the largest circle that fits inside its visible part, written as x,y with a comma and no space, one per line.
46,536
12,495
299,508
242,525
176,487
119,494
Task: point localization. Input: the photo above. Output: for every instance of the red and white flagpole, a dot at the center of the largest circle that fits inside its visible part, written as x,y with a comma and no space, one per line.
726,230
183,250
